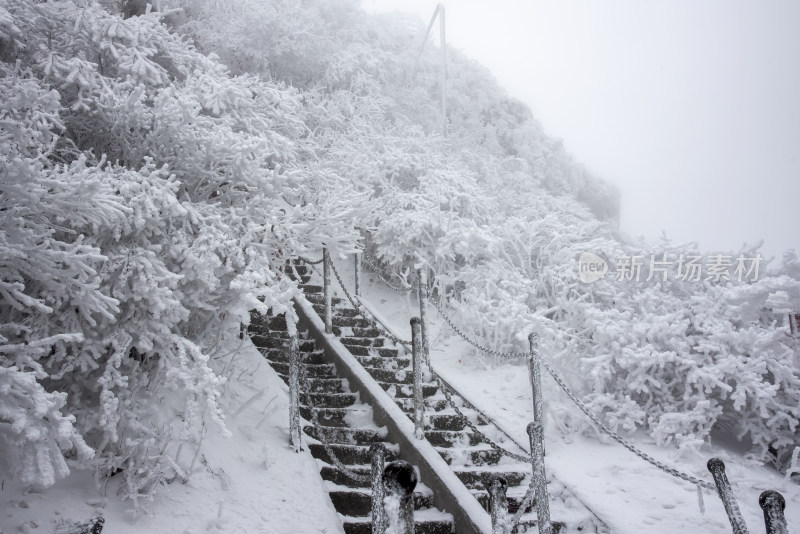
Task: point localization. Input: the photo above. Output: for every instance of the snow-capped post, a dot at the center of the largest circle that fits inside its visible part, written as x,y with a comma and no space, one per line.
357,271
536,435
399,481
326,281
416,349
377,452
498,504
536,381
423,296
717,469
773,504
294,393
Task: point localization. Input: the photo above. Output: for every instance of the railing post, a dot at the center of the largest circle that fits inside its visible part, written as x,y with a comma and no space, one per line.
536,435
416,349
377,454
326,279
423,296
294,393
399,480
717,469
357,271
498,504
773,504
536,381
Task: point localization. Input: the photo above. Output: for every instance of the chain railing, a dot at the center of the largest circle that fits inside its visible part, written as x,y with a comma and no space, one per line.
376,271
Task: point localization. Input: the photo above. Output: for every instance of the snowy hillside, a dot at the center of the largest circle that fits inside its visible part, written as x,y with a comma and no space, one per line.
158,169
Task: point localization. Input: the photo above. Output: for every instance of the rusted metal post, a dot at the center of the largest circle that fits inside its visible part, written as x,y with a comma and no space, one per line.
399,480
717,469
423,296
535,371
540,477
498,505
377,453
416,349
357,271
294,393
326,280
773,504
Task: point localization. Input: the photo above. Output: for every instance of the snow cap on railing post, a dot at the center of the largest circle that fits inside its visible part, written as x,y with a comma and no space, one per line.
423,296
536,435
717,469
326,288
294,393
416,350
498,504
773,504
377,452
399,480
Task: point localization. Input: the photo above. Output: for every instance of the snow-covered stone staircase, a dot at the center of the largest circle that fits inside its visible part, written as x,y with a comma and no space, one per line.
348,427
472,460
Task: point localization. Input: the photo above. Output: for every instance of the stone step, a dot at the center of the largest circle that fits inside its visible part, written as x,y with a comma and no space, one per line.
311,289
479,455
346,435
357,502
438,421
317,357
325,370
319,298
477,478
360,350
392,376
329,400
356,332
340,311
514,501
347,454
362,341
400,391
354,525
333,416
326,385
432,404
379,362
331,474
271,342
448,438
352,322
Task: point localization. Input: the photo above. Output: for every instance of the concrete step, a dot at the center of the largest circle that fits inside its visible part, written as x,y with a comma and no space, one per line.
319,298
325,370
339,311
438,421
432,404
347,454
332,474
311,288
379,362
356,332
477,478
478,455
334,416
392,376
271,342
400,391
346,435
326,385
353,322
360,350
354,525
448,438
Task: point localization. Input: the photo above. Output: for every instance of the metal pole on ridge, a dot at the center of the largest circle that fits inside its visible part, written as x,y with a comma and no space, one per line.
536,435
294,393
326,289
717,469
416,349
773,504
400,480
377,454
536,381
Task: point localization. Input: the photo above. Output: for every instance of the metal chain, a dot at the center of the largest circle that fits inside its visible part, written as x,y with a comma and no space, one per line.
524,504
315,421
306,260
483,437
357,308
619,439
374,270
471,342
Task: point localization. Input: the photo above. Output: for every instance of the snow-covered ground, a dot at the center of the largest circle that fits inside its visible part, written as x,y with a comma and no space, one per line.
252,482
630,495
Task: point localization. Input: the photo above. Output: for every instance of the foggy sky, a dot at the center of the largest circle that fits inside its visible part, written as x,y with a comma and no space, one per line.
692,107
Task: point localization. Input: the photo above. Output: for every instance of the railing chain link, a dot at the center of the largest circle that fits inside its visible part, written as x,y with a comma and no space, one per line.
306,260
526,502
374,270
